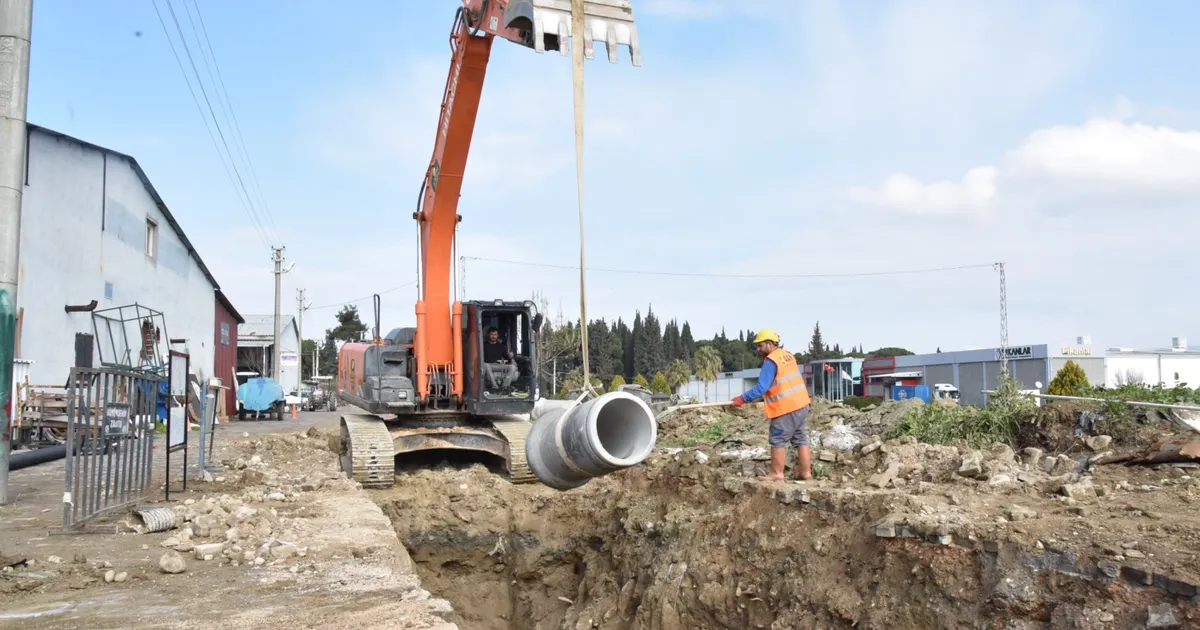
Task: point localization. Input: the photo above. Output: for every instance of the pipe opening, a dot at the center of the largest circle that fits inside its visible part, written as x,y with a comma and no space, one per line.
623,429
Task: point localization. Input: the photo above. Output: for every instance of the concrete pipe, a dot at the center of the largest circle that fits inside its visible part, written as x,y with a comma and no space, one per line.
568,446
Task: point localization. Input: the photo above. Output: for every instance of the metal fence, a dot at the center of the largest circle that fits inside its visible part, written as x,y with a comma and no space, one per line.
111,417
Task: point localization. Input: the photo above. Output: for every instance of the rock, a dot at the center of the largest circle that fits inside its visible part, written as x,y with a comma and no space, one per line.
121,577
276,496
171,542
207,477
972,465
1079,491
244,513
251,477
172,562
1064,465
255,461
1031,456
54,560
999,480
1134,553
827,456
1160,616
185,546
701,457
109,576
1019,513
1080,510
1098,442
881,480
80,558
207,551
867,449
1003,454
282,552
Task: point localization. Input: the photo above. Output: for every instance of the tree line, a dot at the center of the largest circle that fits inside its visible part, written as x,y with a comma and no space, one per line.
649,352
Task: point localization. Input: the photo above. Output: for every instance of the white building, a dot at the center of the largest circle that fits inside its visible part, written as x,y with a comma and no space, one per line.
95,233
727,386
256,350
1169,367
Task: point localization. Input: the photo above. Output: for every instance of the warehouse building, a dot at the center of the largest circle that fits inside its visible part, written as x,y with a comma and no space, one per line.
974,371
256,349
98,238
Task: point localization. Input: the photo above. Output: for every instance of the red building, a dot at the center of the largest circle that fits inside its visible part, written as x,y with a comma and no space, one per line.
225,340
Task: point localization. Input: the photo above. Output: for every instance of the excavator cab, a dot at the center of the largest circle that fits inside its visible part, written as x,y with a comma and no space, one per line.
500,357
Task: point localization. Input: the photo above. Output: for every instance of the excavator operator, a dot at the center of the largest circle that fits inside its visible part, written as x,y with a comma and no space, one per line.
499,362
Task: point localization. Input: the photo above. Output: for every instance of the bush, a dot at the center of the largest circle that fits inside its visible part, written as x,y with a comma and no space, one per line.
1001,421
1070,381
862,402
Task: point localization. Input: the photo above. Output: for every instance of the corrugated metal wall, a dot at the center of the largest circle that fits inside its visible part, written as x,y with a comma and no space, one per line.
225,355
935,374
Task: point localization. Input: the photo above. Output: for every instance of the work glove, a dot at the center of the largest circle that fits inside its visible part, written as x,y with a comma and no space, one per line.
738,402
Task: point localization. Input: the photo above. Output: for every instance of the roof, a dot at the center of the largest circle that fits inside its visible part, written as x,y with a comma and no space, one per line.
158,201
263,325
229,307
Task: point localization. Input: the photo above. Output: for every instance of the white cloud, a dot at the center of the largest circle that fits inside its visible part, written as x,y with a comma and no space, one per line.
1125,162
906,195
1112,155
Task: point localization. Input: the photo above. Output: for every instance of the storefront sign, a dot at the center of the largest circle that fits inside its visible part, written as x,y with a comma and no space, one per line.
1015,352
1070,350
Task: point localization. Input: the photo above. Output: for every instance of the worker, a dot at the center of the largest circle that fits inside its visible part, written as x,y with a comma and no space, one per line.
498,362
786,402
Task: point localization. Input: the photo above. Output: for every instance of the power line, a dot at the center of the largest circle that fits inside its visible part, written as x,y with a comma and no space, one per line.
253,218
365,297
640,272
230,114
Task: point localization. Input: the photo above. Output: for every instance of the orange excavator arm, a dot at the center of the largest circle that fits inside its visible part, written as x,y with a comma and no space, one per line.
538,24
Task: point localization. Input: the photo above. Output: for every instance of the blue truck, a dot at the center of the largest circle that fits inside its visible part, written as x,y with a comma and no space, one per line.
260,397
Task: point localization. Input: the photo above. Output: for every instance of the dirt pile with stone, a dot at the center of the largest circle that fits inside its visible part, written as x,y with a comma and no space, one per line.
280,536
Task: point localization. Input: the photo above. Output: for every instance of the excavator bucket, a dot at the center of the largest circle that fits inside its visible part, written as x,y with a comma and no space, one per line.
549,21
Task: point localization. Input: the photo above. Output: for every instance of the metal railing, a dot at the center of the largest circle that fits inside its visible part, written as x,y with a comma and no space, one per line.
111,416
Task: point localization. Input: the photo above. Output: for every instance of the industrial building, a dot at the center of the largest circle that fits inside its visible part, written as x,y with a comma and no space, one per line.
98,238
256,349
975,371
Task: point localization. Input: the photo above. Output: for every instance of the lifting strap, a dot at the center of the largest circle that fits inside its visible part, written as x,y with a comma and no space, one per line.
578,43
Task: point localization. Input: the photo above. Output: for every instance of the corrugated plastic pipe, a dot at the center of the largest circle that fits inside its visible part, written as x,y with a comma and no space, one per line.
569,445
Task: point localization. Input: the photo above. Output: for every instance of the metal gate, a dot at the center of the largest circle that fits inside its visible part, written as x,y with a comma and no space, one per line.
111,421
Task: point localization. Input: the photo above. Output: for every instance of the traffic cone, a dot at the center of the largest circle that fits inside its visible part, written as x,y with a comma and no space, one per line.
293,412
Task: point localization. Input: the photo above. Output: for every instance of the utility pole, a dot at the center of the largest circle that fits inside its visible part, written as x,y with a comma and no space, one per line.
999,267
16,27
277,258
300,333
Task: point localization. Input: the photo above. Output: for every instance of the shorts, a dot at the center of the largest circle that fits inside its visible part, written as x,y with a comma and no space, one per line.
790,427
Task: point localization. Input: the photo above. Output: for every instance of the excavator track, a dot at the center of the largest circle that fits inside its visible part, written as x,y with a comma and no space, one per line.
367,453
515,432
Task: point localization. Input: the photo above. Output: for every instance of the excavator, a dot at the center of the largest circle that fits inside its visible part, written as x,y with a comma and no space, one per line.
465,377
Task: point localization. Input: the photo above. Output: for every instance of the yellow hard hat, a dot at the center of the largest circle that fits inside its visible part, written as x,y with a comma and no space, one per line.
767,334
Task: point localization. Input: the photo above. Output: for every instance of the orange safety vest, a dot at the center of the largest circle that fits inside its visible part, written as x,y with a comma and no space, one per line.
787,392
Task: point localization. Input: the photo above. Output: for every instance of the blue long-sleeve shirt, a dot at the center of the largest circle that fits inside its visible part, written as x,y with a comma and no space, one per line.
764,382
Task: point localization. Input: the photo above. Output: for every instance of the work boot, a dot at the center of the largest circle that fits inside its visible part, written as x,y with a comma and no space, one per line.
778,461
803,467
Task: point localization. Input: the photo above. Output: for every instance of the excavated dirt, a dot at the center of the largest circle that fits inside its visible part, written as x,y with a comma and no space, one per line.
893,535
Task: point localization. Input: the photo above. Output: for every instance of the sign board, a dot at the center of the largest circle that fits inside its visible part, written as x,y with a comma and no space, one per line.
1072,351
179,374
1015,352
116,419
288,359
177,427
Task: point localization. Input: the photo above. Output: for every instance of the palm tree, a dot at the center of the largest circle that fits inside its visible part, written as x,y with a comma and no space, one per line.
708,363
678,373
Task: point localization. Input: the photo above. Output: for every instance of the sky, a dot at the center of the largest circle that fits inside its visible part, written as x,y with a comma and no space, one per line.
843,140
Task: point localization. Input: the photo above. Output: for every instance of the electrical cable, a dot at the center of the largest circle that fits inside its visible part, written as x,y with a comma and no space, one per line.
345,302
740,276
255,223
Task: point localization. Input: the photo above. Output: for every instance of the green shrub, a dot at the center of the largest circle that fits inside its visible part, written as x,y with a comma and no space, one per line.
941,424
1070,381
862,402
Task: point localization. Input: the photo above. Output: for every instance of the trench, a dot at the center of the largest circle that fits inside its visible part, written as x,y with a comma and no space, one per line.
668,548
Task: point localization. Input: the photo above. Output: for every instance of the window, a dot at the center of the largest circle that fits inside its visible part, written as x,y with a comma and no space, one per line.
151,238
108,290
224,333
